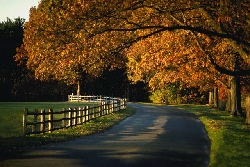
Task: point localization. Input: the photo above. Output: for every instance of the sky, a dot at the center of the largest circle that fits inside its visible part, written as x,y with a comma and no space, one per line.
16,8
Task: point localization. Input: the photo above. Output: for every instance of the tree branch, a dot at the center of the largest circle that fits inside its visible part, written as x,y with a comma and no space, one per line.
226,71
180,27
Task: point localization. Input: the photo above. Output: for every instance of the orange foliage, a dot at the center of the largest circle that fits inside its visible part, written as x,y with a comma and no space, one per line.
161,41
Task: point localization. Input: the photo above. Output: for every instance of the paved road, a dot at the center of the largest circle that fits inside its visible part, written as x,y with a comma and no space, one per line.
155,136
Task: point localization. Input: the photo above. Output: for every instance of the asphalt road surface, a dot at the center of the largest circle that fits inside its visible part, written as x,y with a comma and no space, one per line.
155,136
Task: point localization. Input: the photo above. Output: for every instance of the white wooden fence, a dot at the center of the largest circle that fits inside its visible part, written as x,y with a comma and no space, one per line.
92,98
47,121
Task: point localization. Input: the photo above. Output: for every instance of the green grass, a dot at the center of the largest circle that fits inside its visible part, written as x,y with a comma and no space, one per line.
11,114
230,137
12,140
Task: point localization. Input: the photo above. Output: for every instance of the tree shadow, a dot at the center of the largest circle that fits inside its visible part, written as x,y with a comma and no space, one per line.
165,137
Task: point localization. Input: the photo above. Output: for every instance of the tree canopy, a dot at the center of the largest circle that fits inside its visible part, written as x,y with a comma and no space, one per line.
193,41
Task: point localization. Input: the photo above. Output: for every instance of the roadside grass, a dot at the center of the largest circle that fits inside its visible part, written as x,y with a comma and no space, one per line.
230,136
14,142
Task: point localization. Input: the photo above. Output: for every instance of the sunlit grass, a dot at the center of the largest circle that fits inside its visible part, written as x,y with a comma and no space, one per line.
230,137
15,142
11,114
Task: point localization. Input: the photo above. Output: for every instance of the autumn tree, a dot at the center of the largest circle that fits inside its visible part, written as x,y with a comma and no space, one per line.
57,44
219,30
196,39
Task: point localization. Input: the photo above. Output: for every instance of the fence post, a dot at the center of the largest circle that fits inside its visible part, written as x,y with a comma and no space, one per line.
100,98
84,115
99,110
42,120
79,115
123,104
64,115
34,127
94,111
106,108
70,117
118,104
90,112
74,117
103,108
50,120
109,107
113,106
87,113
25,113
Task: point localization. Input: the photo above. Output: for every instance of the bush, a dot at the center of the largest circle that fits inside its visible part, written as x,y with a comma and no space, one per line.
173,94
167,95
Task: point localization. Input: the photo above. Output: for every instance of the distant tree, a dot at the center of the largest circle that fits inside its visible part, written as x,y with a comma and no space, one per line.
28,88
110,83
11,36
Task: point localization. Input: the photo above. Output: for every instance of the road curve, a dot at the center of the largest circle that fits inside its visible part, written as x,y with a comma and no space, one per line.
158,136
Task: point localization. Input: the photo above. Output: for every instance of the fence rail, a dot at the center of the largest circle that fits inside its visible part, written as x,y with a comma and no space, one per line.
91,98
40,122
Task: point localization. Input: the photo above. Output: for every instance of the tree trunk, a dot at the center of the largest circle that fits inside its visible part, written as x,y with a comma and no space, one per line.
216,97
78,90
248,110
229,102
238,96
228,105
235,90
211,98
233,111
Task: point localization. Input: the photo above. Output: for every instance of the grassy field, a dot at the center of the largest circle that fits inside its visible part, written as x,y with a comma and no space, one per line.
11,114
230,137
11,138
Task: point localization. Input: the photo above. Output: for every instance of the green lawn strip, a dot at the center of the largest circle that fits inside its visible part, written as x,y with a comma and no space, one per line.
17,143
11,113
230,137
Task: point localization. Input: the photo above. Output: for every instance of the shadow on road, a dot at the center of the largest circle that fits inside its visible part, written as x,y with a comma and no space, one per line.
154,136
